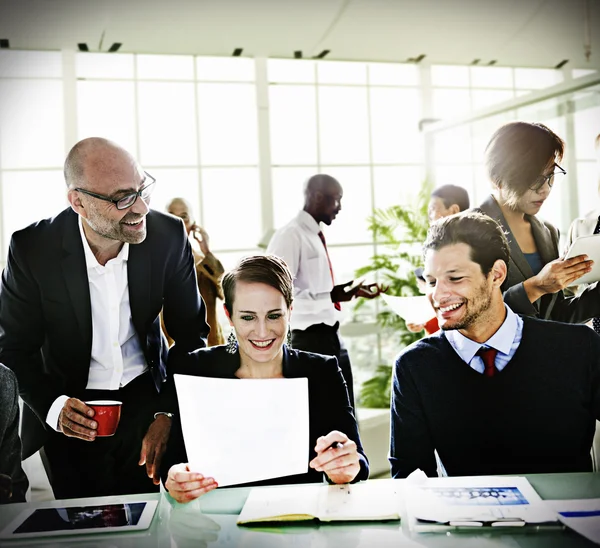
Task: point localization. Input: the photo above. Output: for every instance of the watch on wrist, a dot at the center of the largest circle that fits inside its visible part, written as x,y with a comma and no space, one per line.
165,413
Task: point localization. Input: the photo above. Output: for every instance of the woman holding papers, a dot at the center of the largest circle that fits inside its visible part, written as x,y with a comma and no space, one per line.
258,302
522,164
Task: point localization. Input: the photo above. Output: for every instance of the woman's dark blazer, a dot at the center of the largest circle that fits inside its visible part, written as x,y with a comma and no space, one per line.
555,306
329,406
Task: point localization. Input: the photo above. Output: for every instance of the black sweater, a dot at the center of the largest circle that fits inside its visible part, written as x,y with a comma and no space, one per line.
535,416
329,407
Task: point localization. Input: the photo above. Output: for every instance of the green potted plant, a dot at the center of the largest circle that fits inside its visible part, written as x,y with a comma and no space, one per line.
399,232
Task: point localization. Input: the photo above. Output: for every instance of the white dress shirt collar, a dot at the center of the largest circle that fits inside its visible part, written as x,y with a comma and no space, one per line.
502,340
90,259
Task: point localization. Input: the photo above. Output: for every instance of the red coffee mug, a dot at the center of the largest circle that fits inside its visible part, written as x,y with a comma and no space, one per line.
108,413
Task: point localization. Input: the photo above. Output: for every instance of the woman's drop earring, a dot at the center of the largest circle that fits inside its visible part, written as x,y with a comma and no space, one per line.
232,343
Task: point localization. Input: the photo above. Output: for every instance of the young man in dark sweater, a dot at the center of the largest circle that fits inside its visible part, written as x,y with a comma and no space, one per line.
528,406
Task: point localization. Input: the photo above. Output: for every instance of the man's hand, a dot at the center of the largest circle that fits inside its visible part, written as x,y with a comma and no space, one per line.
371,291
75,420
556,275
154,446
337,456
184,485
5,488
415,327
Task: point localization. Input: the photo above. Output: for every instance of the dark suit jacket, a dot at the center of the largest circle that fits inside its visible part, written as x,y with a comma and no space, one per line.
329,407
10,443
555,306
45,309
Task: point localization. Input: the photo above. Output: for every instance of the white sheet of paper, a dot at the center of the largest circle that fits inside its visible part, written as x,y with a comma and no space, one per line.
244,430
581,515
412,309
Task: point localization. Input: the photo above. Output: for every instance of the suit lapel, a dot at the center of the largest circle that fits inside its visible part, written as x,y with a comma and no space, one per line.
75,271
139,279
544,240
491,208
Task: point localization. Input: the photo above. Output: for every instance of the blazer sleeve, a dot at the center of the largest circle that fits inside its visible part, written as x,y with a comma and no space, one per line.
184,310
411,446
337,412
22,330
10,443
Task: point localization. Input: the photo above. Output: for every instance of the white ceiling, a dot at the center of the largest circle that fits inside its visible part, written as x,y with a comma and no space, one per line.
512,32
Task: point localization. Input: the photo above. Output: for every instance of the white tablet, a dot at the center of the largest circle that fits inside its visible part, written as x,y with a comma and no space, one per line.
590,246
77,520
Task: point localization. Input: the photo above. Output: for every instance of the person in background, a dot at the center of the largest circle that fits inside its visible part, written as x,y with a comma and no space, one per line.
13,480
209,269
522,164
258,302
493,392
301,244
80,301
445,200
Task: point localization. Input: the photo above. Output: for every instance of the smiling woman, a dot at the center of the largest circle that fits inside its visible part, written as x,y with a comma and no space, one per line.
258,302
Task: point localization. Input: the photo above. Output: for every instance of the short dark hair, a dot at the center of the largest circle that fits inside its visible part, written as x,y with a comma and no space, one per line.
264,269
452,194
518,153
480,232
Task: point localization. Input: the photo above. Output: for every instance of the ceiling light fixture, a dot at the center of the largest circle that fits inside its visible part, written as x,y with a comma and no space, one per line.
322,54
4,43
561,64
297,54
83,46
114,47
237,52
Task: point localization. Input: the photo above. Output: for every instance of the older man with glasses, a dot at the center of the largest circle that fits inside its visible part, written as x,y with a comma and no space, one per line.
522,164
79,321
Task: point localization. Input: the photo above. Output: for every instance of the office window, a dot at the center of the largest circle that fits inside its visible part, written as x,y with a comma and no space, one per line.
587,128
395,135
292,71
393,74
167,127
30,64
395,185
107,109
228,126
31,118
350,225
28,196
288,191
343,125
176,183
482,98
450,103
492,77
293,118
165,67
340,72
536,78
232,209
449,76
101,65
225,69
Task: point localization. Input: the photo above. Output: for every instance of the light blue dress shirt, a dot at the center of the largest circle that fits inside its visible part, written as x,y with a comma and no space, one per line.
506,341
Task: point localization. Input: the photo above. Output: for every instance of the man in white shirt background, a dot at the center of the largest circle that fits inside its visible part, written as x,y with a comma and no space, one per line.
302,245
79,320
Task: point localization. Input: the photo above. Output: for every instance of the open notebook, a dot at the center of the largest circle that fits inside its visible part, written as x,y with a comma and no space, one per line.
375,500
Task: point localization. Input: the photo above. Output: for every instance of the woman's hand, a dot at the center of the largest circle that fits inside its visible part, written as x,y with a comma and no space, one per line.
184,485
556,275
337,456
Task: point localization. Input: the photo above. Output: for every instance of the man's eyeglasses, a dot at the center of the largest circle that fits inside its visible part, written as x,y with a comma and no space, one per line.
128,200
542,180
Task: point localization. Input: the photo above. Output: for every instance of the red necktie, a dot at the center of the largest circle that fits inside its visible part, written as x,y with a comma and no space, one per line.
322,236
488,355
